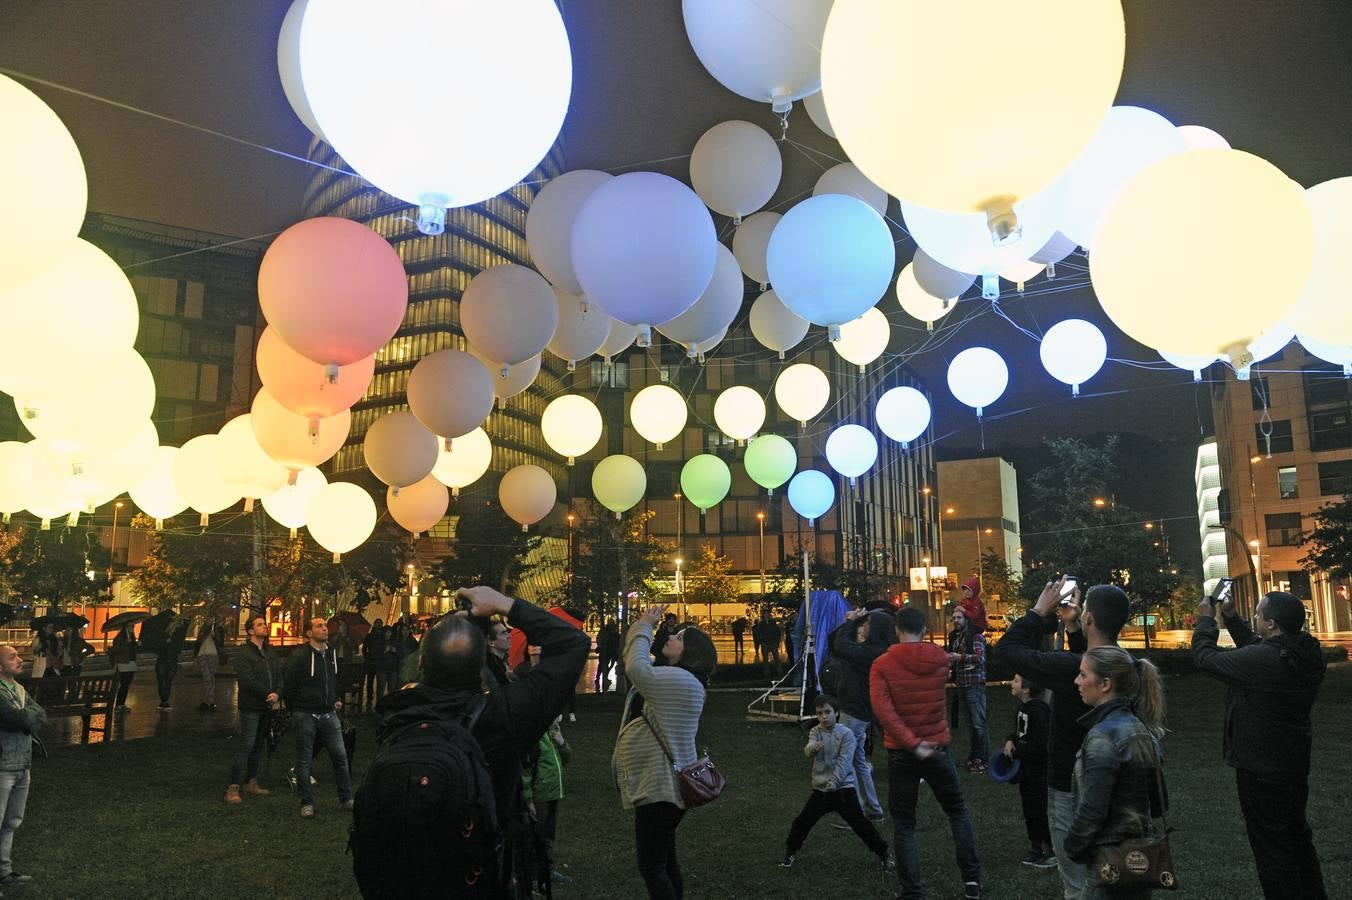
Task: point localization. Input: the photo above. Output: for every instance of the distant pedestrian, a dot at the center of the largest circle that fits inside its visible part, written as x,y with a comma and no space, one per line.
20,718
74,649
543,784
966,648
310,690
259,695
166,659
122,654
373,656
738,638
209,651
857,643
607,654
1027,743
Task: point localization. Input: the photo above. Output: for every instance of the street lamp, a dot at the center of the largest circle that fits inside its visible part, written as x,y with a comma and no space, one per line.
112,548
680,588
1100,502
760,519
571,517
929,588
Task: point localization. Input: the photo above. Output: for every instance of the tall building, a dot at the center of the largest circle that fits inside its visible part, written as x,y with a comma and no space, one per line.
1284,445
1207,476
980,505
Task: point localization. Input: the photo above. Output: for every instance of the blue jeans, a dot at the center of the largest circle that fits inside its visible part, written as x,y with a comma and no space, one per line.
1060,813
252,739
13,802
863,766
973,698
904,771
324,727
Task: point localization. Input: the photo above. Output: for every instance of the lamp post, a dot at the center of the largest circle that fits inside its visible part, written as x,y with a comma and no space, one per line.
112,548
571,517
680,588
760,519
680,524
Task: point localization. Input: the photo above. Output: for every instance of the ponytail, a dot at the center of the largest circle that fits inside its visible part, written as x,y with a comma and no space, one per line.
1134,680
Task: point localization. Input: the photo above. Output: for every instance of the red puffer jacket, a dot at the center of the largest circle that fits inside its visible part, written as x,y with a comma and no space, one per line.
906,686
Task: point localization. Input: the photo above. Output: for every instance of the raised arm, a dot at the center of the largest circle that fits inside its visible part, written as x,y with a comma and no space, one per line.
1021,650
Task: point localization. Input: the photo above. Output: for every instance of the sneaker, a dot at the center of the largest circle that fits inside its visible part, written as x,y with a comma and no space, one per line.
788,861
307,811
889,863
291,777
972,890
347,805
556,876
1038,859
977,767
164,707
232,795
15,878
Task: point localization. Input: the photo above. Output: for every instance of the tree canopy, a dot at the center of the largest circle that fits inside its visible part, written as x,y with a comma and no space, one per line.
52,567
1328,546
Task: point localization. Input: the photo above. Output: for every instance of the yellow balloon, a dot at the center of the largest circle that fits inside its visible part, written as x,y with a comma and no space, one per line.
341,516
919,303
863,340
802,391
658,413
739,412
465,461
571,425
619,483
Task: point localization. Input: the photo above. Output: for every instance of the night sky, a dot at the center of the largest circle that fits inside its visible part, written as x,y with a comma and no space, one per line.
1273,78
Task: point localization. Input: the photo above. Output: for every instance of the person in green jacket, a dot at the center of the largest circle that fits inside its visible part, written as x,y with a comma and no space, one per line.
20,718
543,783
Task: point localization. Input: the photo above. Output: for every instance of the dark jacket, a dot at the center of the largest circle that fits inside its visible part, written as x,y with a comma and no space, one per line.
1031,729
217,633
1271,687
853,690
19,722
373,648
1115,790
310,684
1021,650
259,673
906,687
517,713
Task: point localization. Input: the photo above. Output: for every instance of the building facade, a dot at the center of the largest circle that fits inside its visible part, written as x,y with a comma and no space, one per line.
980,506
1215,553
1284,446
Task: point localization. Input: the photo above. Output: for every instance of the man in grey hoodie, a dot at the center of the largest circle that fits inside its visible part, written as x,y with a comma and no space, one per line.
20,717
1272,677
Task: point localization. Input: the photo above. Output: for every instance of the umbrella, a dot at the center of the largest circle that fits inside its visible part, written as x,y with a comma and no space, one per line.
60,620
279,720
159,628
357,626
124,620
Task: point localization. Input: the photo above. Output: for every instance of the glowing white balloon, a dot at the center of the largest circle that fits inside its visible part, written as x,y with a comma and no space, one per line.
387,135
831,258
619,483
1022,271
1333,353
776,326
549,224
903,414
418,507
739,412
816,111
583,328
716,307
1057,248
735,168
977,377
937,279
243,463
197,477
1194,364
802,390
341,517
465,462
863,340
1073,351
156,495
399,450
851,450
845,178
18,466
658,414
112,390
295,441
571,425
289,505
527,494
1199,137
767,54
1323,308
750,242
811,494
288,66
622,336
919,303
1265,346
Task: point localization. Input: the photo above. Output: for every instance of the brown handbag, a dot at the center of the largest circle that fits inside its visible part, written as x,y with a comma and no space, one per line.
700,782
1139,863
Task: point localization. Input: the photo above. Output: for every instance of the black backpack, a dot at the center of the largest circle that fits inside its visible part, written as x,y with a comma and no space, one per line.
832,676
425,822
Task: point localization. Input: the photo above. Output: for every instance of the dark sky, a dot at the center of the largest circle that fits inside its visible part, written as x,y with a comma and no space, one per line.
1273,77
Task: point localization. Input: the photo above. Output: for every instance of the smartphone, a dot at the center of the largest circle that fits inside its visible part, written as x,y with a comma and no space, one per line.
1067,589
1224,587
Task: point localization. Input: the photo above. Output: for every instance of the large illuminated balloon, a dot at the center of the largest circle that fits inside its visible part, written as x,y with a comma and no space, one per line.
549,224
527,494
1057,248
1339,355
340,517
658,413
977,377
399,450
1271,342
831,258
863,340
197,476
51,495
776,326
583,328
716,307
418,506
387,135
333,289
1128,140
816,111
303,386
937,279
242,462
811,494
770,54
845,178
735,168
802,390
705,481
851,450
156,495
969,142
288,438
465,462
93,412
644,247
450,392
1073,351
1176,227
770,461
18,466
571,425
288,66
903,414
750,242
619,483
45,191
289,505
621,338
708,345
739,412
919,303
521,376
1325,308
96,476
509,314
1194,364
1199,137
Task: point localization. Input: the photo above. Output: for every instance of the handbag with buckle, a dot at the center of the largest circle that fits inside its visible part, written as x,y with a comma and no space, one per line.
1139,863
700,782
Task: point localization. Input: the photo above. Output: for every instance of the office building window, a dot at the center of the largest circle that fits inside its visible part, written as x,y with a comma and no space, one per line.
1288,487
1331,429
615,375
1259,394
1278,432
1335,477
1283,529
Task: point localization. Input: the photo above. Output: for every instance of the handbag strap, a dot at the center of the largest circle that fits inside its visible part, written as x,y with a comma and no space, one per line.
660,741
1159,781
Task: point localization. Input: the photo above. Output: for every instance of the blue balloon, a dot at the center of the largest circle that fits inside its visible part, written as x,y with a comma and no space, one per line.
811,494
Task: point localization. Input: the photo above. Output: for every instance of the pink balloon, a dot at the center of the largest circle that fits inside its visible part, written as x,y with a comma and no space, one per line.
303,386
334,290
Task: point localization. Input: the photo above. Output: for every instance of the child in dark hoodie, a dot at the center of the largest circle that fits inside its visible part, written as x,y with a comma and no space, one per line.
1028,744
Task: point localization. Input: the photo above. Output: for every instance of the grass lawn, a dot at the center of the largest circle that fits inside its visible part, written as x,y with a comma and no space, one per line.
145,818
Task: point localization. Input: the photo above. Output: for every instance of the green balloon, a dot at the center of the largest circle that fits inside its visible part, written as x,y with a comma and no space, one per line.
770,461
705,480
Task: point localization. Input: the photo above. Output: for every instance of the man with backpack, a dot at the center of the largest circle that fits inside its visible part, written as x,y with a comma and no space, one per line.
464,832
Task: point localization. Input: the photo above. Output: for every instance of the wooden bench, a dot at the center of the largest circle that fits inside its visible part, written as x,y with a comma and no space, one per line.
84,696
349,684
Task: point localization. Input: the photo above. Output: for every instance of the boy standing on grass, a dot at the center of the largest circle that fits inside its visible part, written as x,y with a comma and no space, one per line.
830,746
1028,744
543,784
20,718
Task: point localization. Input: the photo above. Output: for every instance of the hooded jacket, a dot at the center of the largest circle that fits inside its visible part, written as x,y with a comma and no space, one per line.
1272,686
833,764
259,673
853,692
310,684
974,607
906,687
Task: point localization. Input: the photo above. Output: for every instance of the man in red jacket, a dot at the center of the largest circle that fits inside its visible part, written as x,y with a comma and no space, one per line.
906,686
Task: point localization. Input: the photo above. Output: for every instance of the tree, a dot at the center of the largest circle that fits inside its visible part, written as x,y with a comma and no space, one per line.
54,567
1329,544
709,579
611,556
488,548
999,580
1183,599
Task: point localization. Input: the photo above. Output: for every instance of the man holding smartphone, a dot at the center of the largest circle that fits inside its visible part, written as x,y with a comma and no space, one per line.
1272,678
